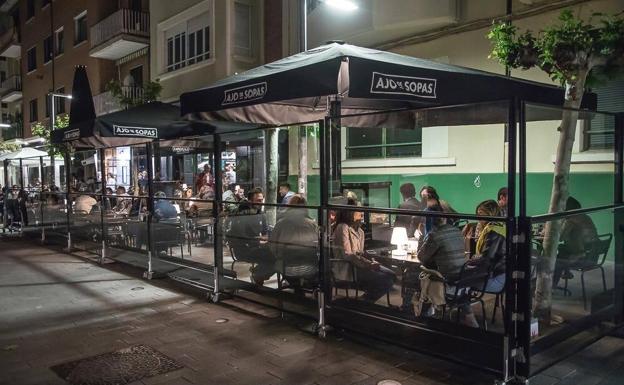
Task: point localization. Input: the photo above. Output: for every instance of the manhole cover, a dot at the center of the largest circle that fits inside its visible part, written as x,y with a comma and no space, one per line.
221,320
137,288
388,382
119,367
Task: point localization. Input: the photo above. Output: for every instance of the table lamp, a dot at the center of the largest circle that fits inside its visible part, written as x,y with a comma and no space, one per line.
399,238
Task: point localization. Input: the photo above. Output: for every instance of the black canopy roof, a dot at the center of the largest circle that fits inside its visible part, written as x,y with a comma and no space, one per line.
147,122
295,89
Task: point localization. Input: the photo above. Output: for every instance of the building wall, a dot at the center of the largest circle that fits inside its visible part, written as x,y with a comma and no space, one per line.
39,82
266,41
467,164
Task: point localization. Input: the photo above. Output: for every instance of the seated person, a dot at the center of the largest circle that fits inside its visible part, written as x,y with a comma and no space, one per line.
163,208
231,196
84,204
491,244
410,222
429,197
247,235
577,233
294,243
375,280
123,205
442,249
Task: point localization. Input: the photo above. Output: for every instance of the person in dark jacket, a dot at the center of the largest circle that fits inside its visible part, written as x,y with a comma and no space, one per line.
491,244
294,244
247,236
410,222
442,249
577,233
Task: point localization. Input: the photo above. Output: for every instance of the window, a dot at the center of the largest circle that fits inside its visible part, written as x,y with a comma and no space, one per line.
5,105
32,59
188,43
80,28
59,41
599,132
2,77
59,103
30,9
135,5
137,76
382,143
33,110
243,29
47,49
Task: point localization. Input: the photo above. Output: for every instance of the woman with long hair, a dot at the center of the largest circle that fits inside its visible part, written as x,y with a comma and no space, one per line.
375,280
491,244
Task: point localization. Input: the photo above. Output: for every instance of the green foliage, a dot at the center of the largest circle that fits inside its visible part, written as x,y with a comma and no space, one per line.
566,49
9,147
150,93
43,131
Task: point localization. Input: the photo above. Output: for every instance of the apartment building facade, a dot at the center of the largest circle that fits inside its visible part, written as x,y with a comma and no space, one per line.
10,71
197,42
110,38
454,32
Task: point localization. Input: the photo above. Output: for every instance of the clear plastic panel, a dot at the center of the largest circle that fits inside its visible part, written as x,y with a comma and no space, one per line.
591,177
184,169
260,257
456,156
444,276
183,230
582,279
85,221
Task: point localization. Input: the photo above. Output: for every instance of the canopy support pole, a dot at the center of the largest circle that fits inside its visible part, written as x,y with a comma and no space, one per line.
335,140
41,199
103,198
150,202
6,189
68,205
216,210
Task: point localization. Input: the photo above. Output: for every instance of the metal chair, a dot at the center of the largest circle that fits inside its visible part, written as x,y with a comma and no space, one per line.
595,256
469,287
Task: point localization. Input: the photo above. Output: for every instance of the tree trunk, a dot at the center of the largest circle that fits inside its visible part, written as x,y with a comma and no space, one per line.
272,170
302,179
559,195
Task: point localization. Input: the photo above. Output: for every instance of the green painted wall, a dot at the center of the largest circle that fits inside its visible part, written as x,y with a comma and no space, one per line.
465,191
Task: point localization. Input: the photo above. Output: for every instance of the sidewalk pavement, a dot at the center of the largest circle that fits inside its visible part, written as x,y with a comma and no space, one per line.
56,308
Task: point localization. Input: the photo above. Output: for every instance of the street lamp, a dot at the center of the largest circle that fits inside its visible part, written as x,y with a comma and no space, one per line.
4,125
53,112
344,5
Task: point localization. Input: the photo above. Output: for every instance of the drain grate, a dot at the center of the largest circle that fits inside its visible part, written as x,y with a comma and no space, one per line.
119,367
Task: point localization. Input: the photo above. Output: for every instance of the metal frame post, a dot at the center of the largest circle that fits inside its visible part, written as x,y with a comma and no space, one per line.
517,301
67,160
618,219
324,289
6,190
150,206
335,145
102,201
41,200
216,210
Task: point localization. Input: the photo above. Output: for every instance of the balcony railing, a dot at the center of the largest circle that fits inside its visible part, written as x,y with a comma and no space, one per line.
12,83
123,21
105,103
15,131
9,41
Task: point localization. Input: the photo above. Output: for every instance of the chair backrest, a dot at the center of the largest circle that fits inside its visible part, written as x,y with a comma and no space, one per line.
473,275
597,250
